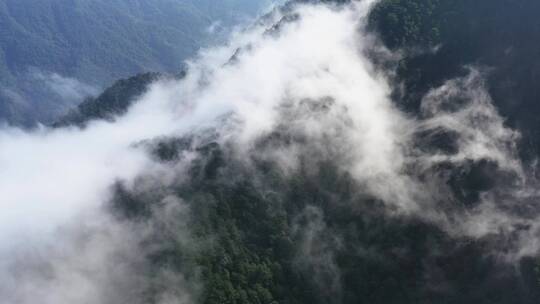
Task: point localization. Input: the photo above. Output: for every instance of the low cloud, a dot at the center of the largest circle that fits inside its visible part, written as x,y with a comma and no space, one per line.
310,80
67,88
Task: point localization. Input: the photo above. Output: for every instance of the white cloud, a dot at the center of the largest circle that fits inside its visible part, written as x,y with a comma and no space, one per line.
67,88
49,177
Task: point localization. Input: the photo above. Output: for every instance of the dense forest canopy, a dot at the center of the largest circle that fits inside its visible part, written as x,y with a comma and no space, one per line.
496,36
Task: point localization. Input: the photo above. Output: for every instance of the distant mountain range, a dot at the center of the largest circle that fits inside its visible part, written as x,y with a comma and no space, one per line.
56,52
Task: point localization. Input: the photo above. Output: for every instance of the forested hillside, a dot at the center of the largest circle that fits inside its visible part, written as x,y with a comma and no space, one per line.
113,102
440,39
314,236
89,44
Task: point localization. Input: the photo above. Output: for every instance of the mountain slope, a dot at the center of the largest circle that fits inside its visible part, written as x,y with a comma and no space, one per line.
97,42
498,37
314,167
114,101
314,235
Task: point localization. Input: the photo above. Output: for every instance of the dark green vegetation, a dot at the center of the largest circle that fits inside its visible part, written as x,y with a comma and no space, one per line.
114,101
312,236
499,36
97,42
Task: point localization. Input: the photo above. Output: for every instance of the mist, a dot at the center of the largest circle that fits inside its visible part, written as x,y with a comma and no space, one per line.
308,77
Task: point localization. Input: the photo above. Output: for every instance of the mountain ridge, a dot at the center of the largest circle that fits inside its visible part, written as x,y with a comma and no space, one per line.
97,42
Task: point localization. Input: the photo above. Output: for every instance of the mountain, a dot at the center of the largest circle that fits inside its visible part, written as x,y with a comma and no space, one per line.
354,252
114,101
54,53
321,164
496,36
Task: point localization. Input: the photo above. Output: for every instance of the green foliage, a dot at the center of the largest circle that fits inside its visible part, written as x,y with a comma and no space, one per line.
114,101
494,35
249,229
243,264
254,240
439,38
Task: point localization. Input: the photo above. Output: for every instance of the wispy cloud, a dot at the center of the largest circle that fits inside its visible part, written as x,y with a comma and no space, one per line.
312,79
67,88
